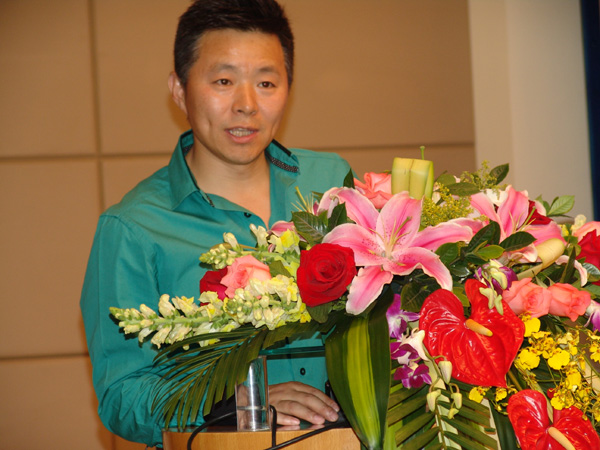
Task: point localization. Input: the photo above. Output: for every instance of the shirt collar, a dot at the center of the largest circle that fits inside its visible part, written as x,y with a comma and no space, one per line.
182,181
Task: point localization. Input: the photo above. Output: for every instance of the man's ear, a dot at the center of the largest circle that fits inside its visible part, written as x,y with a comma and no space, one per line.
177,91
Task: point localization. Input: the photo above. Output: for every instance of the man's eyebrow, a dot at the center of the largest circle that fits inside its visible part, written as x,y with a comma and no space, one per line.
225,67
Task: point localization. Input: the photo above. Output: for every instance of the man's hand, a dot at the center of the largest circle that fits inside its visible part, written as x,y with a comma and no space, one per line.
295,401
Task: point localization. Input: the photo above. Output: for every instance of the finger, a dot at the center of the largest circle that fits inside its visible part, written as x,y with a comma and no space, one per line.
303,401
307,389
299,410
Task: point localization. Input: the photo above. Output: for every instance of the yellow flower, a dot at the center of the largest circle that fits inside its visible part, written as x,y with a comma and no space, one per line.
573,379
559,360
532,325
528,359
477,393
501,394
595,352
557,402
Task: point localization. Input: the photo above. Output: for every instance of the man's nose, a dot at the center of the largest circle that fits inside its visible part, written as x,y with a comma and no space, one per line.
245,99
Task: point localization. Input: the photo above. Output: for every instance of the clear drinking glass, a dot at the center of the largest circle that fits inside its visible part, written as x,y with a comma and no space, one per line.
252,398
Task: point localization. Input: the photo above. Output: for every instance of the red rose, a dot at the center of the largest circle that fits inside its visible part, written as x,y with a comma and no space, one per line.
211,281
590,248
325,272
536,217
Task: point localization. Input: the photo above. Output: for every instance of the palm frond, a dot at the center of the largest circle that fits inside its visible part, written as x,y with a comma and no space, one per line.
195,378
415,426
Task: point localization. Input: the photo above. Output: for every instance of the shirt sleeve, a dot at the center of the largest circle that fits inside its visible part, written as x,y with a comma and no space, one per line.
121,272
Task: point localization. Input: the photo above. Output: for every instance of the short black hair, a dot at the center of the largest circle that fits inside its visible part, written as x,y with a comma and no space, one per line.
265,16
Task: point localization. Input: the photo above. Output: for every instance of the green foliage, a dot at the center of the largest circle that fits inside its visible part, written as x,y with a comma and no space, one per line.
560,206
349,179
415,426
185,385
310,227
359,370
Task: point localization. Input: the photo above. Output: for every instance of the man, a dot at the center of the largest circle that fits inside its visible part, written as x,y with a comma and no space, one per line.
233,70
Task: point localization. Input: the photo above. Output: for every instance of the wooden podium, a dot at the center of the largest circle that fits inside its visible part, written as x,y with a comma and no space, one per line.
228,438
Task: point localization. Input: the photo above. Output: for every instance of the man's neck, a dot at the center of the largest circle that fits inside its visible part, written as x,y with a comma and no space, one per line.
246,185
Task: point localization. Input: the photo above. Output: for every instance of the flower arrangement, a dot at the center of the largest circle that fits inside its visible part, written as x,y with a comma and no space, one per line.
459,313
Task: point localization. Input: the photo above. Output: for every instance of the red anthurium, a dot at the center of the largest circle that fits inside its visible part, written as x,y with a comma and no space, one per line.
528,414
480,348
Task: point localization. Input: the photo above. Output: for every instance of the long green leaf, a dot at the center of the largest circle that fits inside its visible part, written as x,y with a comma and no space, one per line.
464,442
421,440
359,369
414,426
472,432
402,410
504,430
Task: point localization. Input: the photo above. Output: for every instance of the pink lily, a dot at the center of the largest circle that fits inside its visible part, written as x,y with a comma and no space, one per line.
388,243
511,214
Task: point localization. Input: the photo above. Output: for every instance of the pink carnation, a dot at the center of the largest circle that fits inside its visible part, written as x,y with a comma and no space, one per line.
568,301
242,271
377,188
525,296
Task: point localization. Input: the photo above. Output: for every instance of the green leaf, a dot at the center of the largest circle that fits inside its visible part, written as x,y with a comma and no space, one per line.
421,440
490,252
414,426
473,258
460,270
593,271
463,189
504,430
499,172
448,252
593,289
561,205
488,235
464,442
517,241
446,179
349,179
320,313
277,268
403,409
338,216
359,370
472,432
413,295
310,227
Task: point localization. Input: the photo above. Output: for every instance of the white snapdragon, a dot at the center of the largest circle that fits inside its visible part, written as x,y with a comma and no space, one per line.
159,338
147,312
230,239
185,305
261,235
165,307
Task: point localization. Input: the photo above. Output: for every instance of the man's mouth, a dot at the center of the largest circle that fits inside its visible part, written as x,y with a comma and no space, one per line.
241,132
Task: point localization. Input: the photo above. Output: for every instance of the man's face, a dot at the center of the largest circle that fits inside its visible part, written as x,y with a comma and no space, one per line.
235,95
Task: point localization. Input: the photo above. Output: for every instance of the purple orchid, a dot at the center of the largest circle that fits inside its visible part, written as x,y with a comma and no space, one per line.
413,375
593,313
398,319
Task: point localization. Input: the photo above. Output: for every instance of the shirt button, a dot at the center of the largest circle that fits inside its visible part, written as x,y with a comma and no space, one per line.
303,371
247,214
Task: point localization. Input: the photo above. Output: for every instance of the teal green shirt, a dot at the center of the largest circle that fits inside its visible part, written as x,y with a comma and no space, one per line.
149,244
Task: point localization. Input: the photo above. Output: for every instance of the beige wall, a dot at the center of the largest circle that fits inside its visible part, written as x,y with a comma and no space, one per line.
529,92
85,114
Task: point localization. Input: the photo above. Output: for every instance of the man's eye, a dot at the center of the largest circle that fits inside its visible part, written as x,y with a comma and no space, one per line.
223,82
266,84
